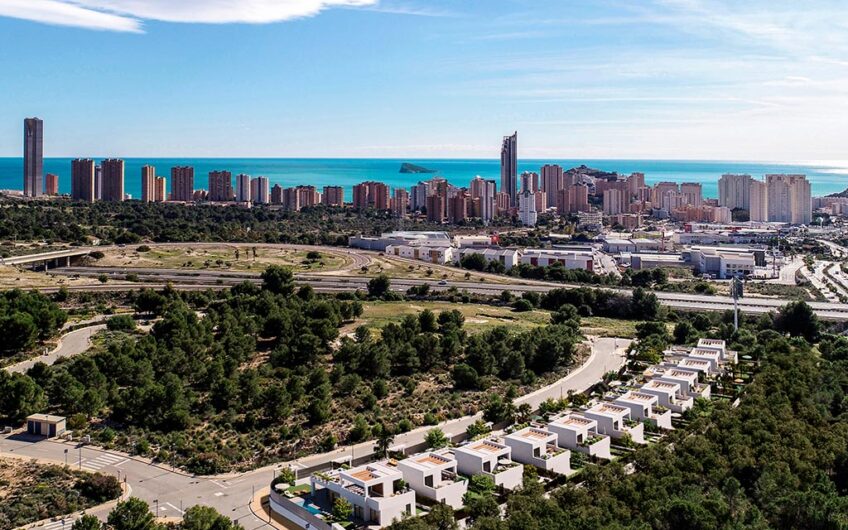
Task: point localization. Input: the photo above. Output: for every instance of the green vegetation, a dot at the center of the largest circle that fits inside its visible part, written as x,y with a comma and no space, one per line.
778,460
31,492
25,318
132,221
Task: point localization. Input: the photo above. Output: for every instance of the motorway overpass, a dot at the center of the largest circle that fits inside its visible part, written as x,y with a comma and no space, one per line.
330,283
45,260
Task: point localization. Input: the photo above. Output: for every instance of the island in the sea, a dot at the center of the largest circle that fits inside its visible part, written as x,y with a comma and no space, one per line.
406,167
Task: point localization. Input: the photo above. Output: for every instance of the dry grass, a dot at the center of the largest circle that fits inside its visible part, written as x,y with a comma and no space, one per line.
12,277
478,317
223,257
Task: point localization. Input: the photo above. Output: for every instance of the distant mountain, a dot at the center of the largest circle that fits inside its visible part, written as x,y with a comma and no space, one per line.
406,167
840,194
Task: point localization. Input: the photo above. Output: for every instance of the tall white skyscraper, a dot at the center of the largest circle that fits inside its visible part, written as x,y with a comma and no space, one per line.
527,208
259,191
243,188
734,191
758,203
789,199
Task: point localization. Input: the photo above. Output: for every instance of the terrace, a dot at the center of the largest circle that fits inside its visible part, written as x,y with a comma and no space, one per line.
376,492
669,393
434,476
538,447
614,420
687,379
645,407
492,458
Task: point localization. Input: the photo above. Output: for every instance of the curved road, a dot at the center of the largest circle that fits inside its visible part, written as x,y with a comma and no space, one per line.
174,491
70,344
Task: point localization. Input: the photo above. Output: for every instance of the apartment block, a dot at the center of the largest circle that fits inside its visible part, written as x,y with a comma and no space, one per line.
220,186
148,183
51,184
82,180
182,183
112,178
333,196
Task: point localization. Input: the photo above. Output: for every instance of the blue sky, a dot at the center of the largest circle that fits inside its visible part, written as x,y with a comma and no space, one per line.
702,79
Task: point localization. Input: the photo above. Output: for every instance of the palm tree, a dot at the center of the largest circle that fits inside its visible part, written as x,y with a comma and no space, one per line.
385,438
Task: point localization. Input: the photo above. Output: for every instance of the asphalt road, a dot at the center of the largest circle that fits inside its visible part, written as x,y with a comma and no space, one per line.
337,282
70,344
173,491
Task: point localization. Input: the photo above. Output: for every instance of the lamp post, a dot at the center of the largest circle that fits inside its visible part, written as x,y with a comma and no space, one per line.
66,457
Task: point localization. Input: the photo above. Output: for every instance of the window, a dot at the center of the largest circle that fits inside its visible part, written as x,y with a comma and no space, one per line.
428,481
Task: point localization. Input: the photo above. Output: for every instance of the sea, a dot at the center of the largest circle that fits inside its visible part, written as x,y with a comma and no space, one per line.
825,178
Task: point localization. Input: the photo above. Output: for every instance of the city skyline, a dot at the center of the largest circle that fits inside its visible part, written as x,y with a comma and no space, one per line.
589,80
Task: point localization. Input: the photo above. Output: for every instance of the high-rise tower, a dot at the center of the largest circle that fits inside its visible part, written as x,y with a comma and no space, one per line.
509,167
33,157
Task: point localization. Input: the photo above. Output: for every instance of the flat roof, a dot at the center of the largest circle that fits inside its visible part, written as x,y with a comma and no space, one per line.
45,417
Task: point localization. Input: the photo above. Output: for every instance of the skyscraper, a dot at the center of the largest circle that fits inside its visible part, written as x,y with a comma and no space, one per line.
333,196
529,182
509,167
51,184
789,199
182,183
758,200
33,157
148,184
159,189
243,188
692,193
486,191
82,180
112,180
400,202
734,191
552,182
527,208
277,194
220,186
259,192
98,183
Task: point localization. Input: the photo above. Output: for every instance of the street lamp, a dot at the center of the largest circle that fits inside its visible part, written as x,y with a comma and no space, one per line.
66,457
157,507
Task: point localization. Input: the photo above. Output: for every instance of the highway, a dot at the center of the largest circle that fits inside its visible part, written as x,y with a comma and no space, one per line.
174,491
339,282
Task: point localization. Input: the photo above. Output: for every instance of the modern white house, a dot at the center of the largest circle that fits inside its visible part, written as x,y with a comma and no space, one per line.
375,490
711,355
492,458
538,447
614,420
687,379
578,433
670,395
433,475
719,345
645,407
702,366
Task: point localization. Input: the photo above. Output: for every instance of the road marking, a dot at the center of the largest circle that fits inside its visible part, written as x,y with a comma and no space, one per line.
219,484
219,493
174,507
59,524
104,460
122,462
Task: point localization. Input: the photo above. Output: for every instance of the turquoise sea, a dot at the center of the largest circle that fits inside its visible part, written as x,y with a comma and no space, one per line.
349,171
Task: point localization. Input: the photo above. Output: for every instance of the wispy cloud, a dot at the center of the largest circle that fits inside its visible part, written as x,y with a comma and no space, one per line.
128,15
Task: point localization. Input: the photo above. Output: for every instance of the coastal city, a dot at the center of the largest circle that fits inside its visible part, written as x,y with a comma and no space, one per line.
407,265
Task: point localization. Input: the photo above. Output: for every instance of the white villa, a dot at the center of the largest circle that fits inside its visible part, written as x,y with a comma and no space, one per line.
433,475
687,379
645,407
538,447
374,490
670,395
492,458
614,420
578,433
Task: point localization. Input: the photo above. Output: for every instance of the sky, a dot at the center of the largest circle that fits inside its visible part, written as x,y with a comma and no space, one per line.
759,80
